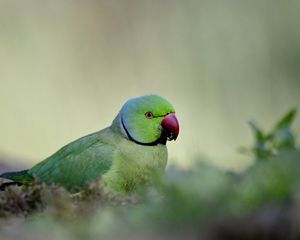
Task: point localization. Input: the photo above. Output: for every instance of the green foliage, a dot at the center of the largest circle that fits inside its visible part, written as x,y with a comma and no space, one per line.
183,199
207,190
279,138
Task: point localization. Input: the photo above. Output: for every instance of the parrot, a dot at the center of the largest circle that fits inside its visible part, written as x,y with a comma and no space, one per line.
125,155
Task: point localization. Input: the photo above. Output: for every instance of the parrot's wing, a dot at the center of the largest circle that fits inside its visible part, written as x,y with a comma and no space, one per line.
77,163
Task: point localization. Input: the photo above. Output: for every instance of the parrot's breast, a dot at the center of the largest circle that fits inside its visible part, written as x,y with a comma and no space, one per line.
135,165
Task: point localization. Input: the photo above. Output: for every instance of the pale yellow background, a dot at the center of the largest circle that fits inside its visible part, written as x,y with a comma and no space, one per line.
66,68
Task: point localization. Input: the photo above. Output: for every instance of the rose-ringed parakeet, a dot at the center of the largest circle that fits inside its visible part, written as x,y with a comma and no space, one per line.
125,155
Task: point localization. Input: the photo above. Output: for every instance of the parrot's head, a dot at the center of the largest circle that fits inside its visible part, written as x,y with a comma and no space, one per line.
149,120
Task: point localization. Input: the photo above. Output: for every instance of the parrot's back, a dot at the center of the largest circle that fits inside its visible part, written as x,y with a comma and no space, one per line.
74,165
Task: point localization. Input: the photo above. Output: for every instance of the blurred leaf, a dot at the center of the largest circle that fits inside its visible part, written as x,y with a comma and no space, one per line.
258,133
282,136
286,121
261,148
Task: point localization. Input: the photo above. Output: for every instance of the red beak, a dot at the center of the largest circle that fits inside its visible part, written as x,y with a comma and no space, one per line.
171,126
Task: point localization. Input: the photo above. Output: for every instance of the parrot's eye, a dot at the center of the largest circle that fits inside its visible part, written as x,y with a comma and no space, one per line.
149,115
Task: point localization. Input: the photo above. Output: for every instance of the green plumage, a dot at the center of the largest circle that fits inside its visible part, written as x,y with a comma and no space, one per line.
110,154
21,176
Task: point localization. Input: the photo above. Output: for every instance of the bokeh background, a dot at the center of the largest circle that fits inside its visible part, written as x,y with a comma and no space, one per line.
66,68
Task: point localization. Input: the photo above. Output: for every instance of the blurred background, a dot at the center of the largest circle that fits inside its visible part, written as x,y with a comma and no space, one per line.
66,68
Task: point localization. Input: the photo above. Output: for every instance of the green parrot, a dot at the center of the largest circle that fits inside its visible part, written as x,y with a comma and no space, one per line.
125,155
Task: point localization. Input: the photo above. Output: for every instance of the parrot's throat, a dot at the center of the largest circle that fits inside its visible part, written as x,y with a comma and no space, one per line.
161,140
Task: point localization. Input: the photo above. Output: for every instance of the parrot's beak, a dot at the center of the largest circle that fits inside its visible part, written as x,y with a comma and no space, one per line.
170,126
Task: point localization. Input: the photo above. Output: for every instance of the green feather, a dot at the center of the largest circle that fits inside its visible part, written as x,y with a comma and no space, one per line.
78,163
21,176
